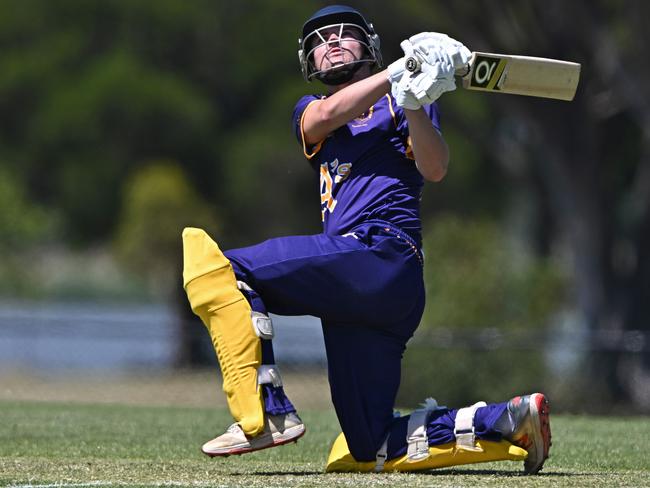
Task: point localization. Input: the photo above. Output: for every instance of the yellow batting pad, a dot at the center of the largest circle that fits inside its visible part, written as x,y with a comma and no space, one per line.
445,455
211,287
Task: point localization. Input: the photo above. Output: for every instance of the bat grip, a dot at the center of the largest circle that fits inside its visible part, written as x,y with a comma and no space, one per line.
463,70
461,67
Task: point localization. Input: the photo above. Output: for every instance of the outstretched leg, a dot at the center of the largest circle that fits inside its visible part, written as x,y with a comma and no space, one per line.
241,333
214,296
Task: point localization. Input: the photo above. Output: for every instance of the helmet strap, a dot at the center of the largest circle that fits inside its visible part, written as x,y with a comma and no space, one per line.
339,75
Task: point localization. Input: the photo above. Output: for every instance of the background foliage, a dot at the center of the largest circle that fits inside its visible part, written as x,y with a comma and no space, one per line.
545,212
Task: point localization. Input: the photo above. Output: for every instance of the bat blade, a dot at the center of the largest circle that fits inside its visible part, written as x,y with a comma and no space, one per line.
521,75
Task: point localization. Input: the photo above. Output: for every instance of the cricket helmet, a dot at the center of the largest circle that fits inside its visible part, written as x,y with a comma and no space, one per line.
339,16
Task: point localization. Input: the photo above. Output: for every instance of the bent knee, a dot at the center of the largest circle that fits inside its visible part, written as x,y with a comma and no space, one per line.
363,451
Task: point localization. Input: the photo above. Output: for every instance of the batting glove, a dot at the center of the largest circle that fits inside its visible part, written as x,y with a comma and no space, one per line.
433,80
400,79
396,70
427,47
404,97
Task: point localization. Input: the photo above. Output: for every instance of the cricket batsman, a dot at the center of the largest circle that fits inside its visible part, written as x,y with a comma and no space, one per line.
374,138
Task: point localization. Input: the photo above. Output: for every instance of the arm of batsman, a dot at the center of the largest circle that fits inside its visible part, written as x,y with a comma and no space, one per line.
428,46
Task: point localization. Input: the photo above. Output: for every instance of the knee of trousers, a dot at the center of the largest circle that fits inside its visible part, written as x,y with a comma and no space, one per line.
341,460
212,291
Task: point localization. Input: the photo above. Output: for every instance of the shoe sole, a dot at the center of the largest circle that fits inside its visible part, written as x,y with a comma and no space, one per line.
292,434
539,413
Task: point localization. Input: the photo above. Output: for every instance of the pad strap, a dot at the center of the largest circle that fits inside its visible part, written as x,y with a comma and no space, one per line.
269,373
242,285
416,431
262,324
382,454
464,428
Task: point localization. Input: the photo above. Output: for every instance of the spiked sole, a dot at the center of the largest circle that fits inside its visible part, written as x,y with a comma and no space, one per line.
541,436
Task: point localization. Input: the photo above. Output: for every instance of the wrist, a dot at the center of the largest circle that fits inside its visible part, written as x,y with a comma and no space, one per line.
395,70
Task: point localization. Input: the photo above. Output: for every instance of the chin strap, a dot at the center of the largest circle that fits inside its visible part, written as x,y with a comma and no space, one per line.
342,74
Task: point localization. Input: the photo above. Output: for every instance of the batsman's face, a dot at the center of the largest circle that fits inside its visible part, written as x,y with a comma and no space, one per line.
336,46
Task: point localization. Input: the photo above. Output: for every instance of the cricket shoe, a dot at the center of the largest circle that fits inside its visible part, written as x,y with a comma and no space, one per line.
278,430
528,426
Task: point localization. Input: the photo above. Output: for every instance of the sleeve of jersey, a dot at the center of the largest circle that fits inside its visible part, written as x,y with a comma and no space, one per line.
298,118
402,126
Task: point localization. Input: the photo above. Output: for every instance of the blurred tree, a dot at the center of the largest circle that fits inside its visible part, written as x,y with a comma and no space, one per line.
23,227
157,203
81,103
89,89
22,224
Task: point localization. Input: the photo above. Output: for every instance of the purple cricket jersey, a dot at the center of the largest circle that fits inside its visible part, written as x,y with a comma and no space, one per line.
367,171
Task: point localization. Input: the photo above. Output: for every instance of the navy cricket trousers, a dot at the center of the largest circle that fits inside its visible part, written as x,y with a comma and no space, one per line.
367,288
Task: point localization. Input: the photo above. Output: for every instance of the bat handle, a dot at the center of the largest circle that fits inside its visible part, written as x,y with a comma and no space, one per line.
461,67
412,64
463,70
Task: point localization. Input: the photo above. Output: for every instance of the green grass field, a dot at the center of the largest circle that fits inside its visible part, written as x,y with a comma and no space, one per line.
54,444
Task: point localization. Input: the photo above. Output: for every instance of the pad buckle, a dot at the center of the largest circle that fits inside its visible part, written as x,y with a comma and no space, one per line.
382,454
464,428
269,374
262,324
416,431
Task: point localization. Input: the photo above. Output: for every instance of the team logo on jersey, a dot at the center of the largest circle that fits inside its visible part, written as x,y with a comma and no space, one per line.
331,174
340,170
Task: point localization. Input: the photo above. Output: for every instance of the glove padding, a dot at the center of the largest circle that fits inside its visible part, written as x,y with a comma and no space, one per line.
402,93
439,56
433,80
400,80
396,70
427,46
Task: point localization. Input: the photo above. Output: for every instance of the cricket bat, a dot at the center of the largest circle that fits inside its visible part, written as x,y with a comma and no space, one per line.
517,75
